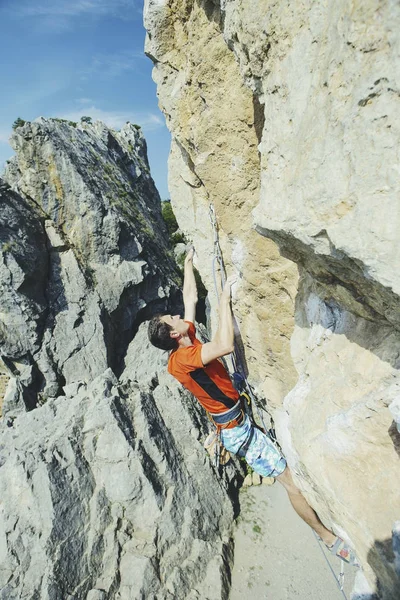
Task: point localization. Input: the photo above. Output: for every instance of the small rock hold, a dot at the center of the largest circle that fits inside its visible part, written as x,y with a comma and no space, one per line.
256,479
268,480
96,595
248,481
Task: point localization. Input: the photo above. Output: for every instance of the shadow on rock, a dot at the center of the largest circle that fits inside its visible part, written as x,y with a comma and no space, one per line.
395,437
384,560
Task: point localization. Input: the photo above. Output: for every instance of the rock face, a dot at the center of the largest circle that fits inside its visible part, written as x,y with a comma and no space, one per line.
106,491
91,260
216,123
4,379
284,116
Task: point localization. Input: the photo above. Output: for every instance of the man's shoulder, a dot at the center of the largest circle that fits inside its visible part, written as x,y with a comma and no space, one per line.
185,358
184,351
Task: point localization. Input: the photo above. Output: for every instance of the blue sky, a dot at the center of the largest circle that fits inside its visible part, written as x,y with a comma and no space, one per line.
68,58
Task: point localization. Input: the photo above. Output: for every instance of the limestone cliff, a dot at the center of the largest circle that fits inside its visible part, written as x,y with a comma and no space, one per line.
105,489
285,117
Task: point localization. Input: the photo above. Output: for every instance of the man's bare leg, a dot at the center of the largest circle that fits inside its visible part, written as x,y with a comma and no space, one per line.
303,509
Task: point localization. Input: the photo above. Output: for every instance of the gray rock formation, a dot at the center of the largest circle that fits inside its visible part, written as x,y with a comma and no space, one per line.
284,116
93,260
23,278
106,490
107,493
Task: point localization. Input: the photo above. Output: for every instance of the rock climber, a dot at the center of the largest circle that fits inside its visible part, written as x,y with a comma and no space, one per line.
198,368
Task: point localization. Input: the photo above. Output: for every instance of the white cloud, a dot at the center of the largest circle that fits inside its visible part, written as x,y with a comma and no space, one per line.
112,65
51,82
83,101
74,8
116,119
57,16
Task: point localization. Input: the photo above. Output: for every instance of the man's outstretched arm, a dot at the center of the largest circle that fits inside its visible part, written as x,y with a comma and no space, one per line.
189,288
223,341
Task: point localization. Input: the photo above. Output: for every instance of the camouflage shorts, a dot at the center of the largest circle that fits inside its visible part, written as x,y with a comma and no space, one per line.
256,447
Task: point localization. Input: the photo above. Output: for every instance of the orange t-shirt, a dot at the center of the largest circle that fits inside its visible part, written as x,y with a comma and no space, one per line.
210,384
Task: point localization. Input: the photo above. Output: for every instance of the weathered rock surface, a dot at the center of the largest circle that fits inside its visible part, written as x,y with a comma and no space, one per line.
283,116
107,492
215,123
4,379
309,146
24,265
94,264
105,489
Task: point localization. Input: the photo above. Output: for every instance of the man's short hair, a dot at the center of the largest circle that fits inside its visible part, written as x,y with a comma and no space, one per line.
159,334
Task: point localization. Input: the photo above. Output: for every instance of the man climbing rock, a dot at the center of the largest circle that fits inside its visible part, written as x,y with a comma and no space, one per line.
198,368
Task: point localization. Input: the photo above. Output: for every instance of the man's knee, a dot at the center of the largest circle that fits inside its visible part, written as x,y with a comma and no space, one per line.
286,480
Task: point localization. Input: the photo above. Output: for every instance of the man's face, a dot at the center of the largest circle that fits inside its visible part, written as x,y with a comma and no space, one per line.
178,325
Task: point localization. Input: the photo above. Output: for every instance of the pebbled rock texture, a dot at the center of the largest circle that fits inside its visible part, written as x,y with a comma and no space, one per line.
285,115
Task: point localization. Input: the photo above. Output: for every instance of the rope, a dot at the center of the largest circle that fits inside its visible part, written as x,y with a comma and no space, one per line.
237,365
219,259
217,451
339,580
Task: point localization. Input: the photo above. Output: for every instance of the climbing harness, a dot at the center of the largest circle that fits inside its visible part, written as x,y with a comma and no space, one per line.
221,421
247,397
225,418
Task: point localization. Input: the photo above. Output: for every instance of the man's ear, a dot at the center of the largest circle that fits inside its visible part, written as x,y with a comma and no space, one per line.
174,334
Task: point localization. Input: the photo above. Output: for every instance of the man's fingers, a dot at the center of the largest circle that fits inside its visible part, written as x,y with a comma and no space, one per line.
231,280
190,253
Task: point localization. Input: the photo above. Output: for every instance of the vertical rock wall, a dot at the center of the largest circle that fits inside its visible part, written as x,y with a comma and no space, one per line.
308,145
216,123
4,379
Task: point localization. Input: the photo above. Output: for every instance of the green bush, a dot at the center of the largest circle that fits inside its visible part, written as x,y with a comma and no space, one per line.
72,123
201,288
86,119
177,238
169,217
8,246
18,123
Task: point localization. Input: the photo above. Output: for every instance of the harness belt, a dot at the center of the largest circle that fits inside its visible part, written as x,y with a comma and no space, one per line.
233,414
